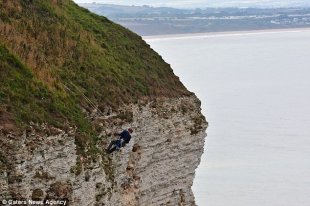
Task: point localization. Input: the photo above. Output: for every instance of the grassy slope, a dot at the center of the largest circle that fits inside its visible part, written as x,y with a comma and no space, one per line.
25,99
63,43
53,53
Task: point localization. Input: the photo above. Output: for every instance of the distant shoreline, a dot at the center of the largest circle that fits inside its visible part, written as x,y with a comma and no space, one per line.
226,33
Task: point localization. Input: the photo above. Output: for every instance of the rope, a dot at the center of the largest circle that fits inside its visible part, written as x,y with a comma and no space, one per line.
83,95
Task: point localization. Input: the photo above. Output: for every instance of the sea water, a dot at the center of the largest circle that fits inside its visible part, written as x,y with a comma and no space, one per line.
255,93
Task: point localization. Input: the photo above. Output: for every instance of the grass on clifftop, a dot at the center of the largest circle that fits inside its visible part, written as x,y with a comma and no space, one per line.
25,99
57,59
64,44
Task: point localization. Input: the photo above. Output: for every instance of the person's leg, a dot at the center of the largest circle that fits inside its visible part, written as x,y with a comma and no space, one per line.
123,144
118,144
111,144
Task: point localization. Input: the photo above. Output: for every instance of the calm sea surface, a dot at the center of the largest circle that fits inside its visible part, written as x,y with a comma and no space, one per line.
255,93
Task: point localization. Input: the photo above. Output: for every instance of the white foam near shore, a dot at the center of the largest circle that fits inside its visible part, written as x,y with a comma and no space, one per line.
255,93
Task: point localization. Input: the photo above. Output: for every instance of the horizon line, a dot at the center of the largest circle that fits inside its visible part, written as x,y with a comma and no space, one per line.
200,7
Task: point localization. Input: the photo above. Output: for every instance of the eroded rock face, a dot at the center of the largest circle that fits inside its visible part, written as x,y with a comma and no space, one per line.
157,167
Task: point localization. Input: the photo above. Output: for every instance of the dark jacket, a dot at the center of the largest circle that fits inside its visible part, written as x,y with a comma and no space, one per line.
125,135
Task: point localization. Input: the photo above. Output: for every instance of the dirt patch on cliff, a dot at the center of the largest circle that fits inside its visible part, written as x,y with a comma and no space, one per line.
7,122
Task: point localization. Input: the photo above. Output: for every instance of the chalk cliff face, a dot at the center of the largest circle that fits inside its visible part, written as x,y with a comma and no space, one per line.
156,168
69,80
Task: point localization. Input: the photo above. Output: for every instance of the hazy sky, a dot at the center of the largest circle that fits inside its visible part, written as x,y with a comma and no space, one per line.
205,3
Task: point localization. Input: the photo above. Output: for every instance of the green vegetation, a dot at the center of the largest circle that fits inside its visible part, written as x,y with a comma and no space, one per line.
58,60
199,121
71,46
43,175
37,194
24,99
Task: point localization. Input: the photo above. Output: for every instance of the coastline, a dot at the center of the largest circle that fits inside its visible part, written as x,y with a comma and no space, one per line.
225,33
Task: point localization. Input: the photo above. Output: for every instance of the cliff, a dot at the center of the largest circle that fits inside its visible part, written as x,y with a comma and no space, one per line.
69,80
